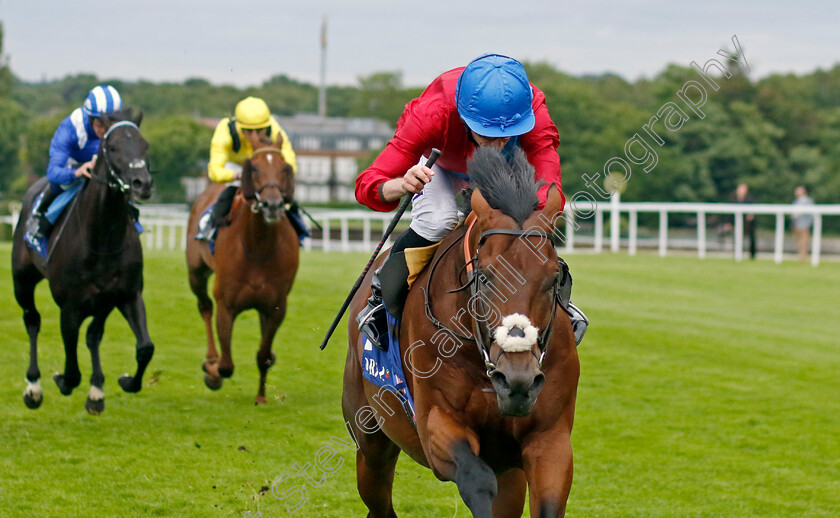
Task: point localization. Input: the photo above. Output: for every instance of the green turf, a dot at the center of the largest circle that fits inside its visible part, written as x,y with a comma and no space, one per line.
708,389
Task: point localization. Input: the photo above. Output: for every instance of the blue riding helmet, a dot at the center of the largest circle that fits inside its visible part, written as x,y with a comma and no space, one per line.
494,97
102,100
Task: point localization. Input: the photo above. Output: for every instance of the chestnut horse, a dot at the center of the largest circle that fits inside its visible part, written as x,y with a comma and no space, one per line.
482,336
255,261
94,263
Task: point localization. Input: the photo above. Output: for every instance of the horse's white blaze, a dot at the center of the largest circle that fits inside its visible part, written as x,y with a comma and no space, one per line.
96,394
33,390
270,158
516,344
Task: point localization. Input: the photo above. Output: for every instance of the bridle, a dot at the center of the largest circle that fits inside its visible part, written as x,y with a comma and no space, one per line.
257,203
474,282
113,180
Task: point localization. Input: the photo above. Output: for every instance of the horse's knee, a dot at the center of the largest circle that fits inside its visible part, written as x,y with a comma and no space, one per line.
476,482
32,320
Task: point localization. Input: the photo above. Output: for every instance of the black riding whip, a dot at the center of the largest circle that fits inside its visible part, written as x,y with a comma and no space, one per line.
433,156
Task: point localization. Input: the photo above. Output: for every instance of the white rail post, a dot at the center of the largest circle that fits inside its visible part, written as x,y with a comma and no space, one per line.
632,238
345,235
158,236
701,234
815,240
615,222
739,236
172,231
599,230
663,233
570,229
779,247
326,237
366,234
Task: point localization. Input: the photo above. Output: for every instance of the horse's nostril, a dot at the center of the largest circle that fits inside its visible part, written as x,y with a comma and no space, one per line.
137,183
539,381
499,381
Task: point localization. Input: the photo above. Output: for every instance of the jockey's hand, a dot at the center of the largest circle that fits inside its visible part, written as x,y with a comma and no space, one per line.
84,169
413,182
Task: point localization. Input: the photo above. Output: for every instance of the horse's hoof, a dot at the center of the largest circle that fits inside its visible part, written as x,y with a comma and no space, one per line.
33,396
209,362
226,372
65,388
94,406
128,384
32,401
213,382
259,400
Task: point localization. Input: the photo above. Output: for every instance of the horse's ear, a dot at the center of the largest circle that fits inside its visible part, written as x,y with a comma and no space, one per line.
554,202
247,181
279,142
553,206
479,205
137,119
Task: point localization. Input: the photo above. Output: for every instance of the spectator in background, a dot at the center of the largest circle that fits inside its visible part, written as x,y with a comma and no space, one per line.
802,223
742,195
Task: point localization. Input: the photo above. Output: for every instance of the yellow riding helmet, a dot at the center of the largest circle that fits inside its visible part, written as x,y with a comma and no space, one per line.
252,113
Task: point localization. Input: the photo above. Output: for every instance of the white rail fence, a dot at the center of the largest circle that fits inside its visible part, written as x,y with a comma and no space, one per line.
360,230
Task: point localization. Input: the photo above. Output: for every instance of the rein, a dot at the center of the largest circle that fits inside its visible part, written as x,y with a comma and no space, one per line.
473,280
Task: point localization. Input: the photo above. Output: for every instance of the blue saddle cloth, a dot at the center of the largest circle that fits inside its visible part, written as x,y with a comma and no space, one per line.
384,369
54,211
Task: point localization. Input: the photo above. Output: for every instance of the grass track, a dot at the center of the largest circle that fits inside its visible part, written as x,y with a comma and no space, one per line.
708,388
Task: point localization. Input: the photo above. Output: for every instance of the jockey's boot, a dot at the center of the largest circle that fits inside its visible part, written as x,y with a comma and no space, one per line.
39,225
564,296
389,289
221,209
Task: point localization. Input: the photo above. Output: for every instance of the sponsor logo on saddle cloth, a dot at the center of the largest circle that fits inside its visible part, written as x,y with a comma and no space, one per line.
384,369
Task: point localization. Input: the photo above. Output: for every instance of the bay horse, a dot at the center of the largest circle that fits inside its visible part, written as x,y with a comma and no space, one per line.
94,263
482,336
255,261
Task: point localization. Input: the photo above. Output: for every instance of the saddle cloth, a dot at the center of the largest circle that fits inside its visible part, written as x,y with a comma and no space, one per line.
384,369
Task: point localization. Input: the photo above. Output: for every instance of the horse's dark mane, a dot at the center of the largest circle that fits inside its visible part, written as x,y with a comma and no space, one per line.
507,186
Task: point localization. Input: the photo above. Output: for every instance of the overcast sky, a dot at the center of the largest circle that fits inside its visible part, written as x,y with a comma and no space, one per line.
245,43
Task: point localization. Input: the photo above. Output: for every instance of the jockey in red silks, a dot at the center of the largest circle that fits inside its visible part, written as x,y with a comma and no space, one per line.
490,102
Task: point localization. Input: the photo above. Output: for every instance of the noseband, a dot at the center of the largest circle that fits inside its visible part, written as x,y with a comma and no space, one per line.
113,180
474,280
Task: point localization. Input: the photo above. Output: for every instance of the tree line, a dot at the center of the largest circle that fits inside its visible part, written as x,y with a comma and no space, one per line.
773,134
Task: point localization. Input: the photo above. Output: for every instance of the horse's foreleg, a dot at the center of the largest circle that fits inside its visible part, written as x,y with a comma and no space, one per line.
510,502
265,357
548,468
375,475
198,284
224,328
71,320
134,311
25,283
453,454
95,402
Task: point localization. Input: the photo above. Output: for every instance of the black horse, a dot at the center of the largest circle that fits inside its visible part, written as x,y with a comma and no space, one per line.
94,263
